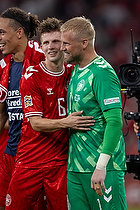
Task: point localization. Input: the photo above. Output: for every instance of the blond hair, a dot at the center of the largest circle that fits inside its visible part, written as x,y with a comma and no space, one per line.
81,28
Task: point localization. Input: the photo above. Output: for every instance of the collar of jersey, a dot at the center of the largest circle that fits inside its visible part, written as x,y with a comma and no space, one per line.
51,72
94,60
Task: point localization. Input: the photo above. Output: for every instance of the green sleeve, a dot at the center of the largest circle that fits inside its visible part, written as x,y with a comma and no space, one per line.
113,130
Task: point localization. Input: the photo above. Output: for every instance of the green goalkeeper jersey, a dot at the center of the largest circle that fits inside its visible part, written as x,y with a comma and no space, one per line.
93,89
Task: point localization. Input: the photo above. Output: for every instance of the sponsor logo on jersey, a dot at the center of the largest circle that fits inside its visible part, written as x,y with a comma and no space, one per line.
111,100
49,91
15,116
8,200
28,101
81,85
14,99
14,105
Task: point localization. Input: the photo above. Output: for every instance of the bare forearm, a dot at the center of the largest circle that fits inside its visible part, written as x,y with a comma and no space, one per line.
73,121
47,125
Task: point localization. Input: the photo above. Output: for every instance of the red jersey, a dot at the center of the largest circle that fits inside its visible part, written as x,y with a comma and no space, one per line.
43,93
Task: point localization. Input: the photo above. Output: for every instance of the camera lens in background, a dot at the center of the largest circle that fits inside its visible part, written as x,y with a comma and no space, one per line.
131,75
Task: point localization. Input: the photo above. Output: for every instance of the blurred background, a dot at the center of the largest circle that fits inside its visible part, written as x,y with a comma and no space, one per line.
113,21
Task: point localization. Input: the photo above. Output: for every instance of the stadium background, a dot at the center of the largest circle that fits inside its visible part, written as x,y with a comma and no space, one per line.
113,21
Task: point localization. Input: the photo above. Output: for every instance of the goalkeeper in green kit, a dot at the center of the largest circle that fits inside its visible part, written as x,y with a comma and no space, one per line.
96,164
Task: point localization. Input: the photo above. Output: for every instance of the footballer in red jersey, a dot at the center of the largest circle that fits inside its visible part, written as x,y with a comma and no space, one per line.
42,156
44,94
43,149
17,28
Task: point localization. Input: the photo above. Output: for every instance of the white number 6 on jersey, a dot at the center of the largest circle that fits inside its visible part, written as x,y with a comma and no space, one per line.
61,109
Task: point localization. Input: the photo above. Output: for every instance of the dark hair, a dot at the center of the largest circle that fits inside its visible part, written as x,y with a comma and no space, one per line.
50,25
19,18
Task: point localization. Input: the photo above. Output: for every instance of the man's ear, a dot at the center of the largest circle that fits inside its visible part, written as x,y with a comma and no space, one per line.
85,43
20,32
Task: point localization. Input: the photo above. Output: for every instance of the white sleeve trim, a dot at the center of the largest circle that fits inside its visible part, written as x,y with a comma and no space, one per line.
29,114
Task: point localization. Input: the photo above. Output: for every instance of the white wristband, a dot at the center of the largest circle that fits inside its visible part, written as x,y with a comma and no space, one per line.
102,161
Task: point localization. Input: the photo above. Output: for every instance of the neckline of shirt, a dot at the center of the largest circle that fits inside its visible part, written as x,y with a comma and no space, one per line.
94,60
51,72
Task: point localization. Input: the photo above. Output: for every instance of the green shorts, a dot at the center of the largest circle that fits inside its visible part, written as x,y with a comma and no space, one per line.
82,197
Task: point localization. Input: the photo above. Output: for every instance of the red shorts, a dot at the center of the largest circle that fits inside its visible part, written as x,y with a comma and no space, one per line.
27,184
41,203
6,167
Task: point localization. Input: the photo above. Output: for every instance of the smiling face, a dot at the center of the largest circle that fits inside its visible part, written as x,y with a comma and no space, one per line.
51,44
72,47
8,37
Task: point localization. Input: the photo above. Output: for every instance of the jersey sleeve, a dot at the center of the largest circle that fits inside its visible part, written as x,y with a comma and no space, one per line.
113,130
30,96
107,89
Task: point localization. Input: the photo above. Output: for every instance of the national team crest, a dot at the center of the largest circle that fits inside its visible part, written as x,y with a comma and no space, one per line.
28,101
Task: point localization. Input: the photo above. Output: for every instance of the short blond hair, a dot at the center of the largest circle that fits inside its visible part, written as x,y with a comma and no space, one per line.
81,28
